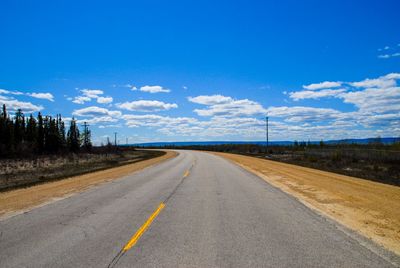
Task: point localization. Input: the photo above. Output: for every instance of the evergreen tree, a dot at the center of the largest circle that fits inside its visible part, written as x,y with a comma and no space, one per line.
40,133
19,127
31,131
73,141
3,117
86,138
61,132
52,143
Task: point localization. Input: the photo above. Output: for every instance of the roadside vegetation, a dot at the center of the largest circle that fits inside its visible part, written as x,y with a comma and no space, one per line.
374,161
40,149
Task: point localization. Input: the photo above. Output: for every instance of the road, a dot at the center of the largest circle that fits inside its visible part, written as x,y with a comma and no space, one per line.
195,210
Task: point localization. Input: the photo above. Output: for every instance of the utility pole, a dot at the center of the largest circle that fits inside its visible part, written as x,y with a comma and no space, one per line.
266,127
115,139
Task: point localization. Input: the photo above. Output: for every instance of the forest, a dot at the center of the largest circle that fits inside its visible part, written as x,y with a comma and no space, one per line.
25,136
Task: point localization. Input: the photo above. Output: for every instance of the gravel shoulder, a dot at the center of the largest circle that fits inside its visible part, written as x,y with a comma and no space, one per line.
367,207
15,202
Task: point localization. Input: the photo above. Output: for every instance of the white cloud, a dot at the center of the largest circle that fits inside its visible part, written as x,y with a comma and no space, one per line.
376,100
397,54
308,94
98,119
45,96
326,84
210,99
89,94
14,105
381,82
219,105
304,114
94,111
146,106
81,99
104,100
152,120
384,56
10,92
92,93
154,89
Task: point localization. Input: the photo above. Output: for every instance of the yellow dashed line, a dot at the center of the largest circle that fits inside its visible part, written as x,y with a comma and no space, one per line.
186,174
143,229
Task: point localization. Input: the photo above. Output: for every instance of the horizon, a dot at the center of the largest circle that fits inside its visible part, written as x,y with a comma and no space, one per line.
187,72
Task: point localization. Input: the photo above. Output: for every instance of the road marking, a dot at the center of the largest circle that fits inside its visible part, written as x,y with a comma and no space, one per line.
143,229
186,173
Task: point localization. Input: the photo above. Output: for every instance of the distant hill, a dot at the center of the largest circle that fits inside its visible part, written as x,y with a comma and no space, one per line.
190,143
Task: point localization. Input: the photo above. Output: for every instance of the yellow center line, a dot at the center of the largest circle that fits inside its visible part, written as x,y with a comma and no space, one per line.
146,225
143,229
186,174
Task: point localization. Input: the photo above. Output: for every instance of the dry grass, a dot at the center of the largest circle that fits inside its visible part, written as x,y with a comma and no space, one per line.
370,208
17,201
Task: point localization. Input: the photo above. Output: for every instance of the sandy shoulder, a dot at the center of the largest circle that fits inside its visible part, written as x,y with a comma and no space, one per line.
370,208
21,200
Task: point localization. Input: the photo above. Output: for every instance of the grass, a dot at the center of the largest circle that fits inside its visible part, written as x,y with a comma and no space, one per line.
17,173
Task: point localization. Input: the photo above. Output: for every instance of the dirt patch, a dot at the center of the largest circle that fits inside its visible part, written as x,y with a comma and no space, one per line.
370,208
17,201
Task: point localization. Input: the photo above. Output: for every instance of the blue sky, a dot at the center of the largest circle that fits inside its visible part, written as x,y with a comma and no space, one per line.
179,70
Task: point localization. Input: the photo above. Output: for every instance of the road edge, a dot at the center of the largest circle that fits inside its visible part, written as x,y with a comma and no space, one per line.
45,199
378,249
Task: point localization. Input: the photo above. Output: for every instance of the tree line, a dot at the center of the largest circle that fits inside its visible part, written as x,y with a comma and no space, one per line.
22,135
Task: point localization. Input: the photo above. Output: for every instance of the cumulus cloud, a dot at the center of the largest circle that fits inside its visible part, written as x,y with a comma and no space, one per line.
152,120
37,95
45,96
326,84
218,105
94,111
104,100
81,99
97,120
304,114
14,105
308,94
146,106
375,99
210,99
89,94
92,93
154,89
10,92
386,81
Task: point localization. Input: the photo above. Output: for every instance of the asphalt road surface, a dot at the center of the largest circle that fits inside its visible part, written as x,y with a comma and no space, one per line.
195,210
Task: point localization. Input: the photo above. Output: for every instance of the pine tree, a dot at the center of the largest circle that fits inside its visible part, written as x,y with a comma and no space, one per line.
40,133
73,141
86,138
3,130
31,131
19,127
61,132
3,117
